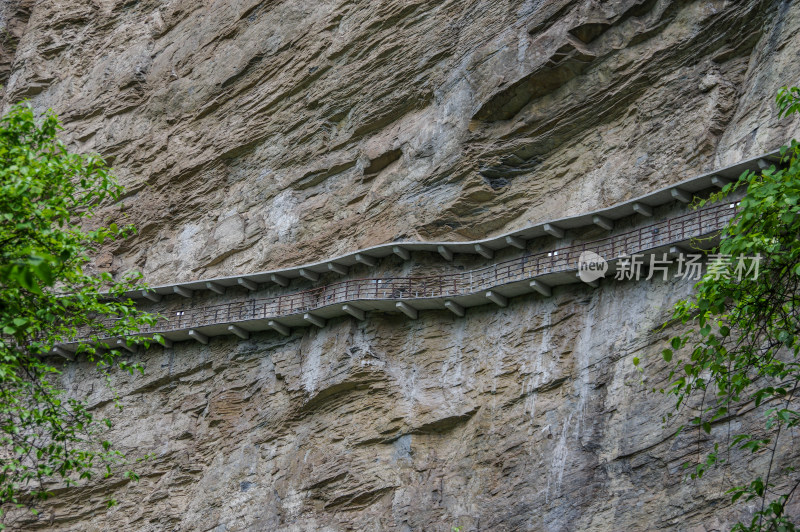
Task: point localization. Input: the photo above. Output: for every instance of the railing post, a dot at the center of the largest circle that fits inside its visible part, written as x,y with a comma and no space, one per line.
639,233
701,222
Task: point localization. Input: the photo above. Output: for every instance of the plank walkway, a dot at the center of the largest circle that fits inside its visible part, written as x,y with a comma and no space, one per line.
495,284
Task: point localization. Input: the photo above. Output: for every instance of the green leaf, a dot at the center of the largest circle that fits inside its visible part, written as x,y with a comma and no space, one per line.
44,272
47,196
755,357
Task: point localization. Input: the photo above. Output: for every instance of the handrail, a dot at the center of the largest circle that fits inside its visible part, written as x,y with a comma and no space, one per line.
672,230
368,256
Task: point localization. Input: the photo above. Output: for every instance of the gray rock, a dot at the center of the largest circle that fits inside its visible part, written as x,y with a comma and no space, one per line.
253,135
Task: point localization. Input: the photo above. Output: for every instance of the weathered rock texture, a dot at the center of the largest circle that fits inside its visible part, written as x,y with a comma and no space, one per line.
253,134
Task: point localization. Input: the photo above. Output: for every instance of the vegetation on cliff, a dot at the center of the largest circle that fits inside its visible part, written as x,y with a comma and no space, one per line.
740,352
48,198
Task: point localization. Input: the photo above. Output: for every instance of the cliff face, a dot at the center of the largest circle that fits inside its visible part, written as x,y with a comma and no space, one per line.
255,134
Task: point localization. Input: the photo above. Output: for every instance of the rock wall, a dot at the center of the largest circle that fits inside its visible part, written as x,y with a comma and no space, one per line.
254,134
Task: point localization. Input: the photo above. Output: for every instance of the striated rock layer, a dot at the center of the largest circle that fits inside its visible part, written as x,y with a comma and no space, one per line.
254,134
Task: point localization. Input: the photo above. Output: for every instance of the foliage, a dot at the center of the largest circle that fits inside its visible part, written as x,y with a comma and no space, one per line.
46,298
788,101
740,350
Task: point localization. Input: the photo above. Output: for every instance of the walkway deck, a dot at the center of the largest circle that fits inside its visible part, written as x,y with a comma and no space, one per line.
605,218
495,284
457,291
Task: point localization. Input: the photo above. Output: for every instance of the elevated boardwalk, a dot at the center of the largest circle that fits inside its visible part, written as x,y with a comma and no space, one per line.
495,284
642,205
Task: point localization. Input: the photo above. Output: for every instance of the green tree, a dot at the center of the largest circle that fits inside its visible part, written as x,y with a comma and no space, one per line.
47,297
742,336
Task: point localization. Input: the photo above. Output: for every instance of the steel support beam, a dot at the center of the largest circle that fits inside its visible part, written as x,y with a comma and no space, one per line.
603,222
676,250
455,308
499,299
124,345
181,291
354,311
238,331
403,253
279,279
541,287
552,230
337,268
279,327
308,274
680,195
719,181
200,337
483,251
644,210
216,288
366,260
247,283
316,320
63,353
164,342
407,309
516,241
151,295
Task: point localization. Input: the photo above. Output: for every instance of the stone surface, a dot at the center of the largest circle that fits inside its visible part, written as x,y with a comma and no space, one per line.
529,417
257,134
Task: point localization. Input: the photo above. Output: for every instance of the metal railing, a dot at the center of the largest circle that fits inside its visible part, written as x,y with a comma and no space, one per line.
695,224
